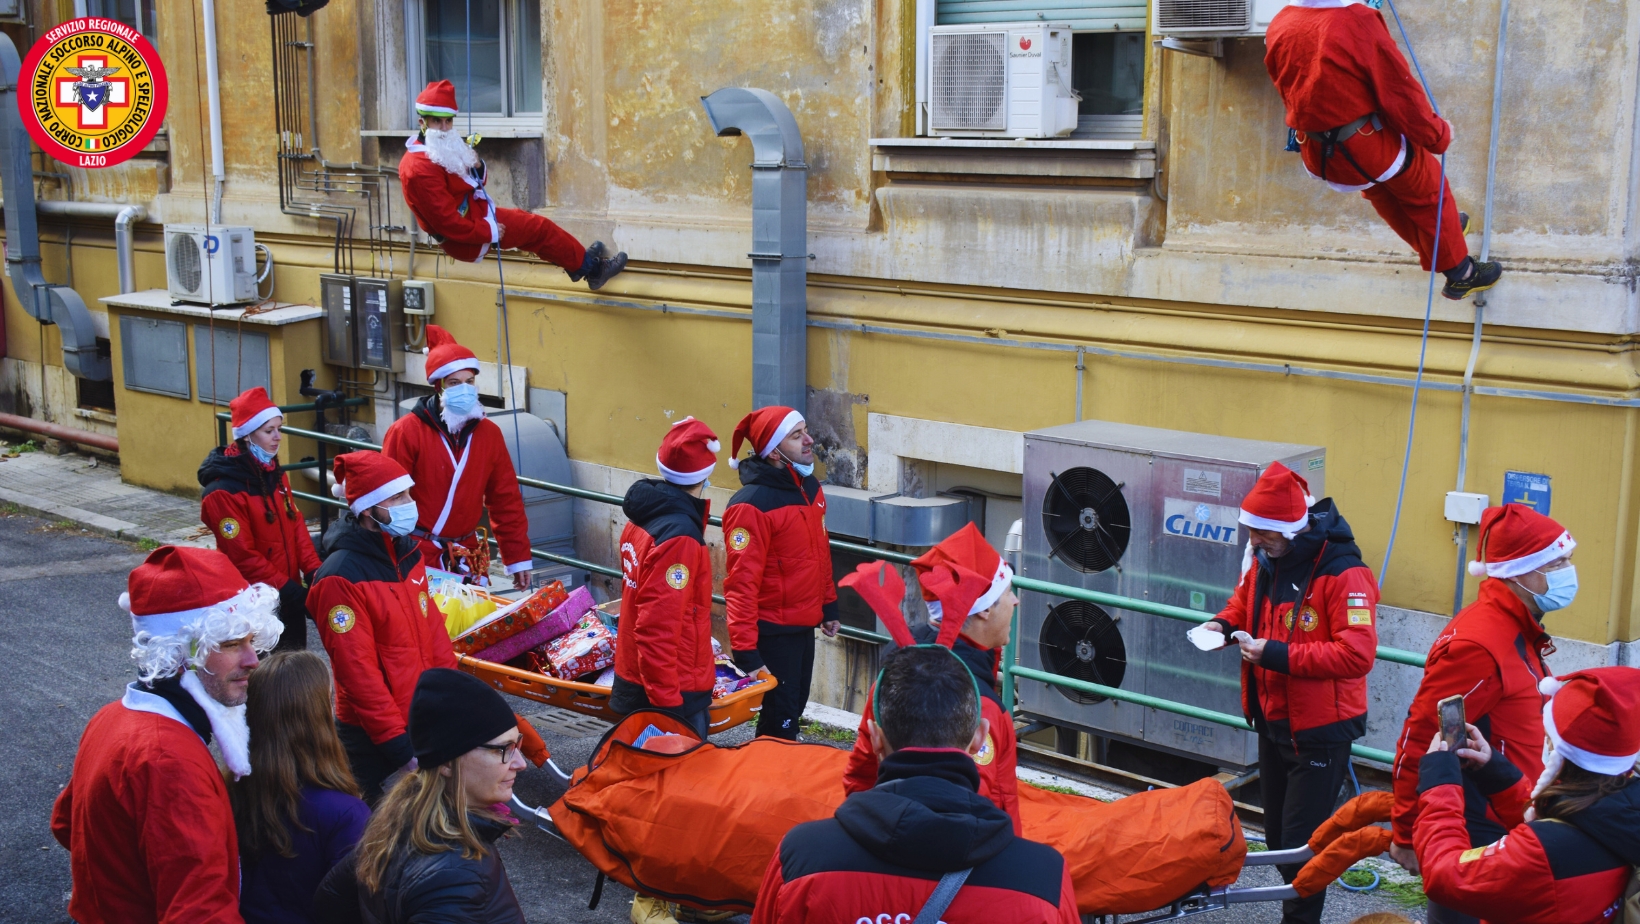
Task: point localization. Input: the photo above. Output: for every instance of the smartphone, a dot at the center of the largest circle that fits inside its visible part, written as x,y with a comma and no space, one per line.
1452,722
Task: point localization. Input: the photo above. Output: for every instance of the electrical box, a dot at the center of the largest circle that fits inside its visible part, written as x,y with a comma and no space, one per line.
378,323
418,297
336,298
1466,507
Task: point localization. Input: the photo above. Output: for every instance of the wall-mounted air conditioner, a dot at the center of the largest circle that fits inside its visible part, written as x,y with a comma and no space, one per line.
1001,80
210,266
1209,19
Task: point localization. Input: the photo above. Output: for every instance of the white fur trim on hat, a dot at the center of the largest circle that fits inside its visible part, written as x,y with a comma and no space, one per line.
452,367
255,423
1278,526
787,424
686,479
1515,567
175,623
401,483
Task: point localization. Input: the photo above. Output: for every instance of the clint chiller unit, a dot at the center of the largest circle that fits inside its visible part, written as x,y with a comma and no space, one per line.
1149,514
1001,81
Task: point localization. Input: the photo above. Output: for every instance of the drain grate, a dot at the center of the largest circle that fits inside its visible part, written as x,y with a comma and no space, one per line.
569,724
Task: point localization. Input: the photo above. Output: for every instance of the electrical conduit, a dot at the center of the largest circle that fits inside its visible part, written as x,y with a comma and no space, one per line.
213,89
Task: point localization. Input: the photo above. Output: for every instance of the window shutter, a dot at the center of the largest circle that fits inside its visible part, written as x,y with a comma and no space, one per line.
1082,15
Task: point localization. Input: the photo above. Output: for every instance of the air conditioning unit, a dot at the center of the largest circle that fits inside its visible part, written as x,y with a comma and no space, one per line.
1213,18
213,265
1149,514
1001,80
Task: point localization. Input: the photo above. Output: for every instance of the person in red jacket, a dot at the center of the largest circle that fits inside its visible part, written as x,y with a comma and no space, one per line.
893,850
779,585
1491,654
459,462
663,656
145,814
1569,863
1303,617
377,617
443,181
1364,125
248,505
962,574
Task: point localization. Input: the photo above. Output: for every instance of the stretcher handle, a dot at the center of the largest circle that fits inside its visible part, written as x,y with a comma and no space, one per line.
1299,854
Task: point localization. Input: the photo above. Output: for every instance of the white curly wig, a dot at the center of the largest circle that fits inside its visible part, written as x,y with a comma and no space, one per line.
253,612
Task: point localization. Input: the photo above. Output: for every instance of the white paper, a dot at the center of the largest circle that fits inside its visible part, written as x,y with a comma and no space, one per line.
1241,636
1206,637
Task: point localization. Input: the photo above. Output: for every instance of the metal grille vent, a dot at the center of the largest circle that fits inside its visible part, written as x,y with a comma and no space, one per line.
1086,519
1081,641
970,81
183,252
1202,16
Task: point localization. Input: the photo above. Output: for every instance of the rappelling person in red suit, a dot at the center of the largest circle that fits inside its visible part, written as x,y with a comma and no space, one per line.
1364,124
443,180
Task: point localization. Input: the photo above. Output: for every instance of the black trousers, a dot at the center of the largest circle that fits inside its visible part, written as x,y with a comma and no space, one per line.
789,656
370,767
626,698
1439,914
293,615
1300,789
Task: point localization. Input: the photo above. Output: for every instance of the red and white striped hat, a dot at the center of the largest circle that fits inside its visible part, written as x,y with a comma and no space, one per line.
1516,539
365,478
1592,719
438,100
967,549
445,356
1280,502
765,427
688,453
175,587
251,410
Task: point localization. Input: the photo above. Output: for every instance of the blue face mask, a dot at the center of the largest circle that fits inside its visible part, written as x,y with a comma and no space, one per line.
402,519
1562,589
262,455
460,399
804,470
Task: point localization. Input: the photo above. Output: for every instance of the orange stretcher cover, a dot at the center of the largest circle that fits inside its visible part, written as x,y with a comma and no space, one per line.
699,827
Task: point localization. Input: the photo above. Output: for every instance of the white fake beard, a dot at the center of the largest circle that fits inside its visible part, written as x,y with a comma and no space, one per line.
453,421
450,151
228,726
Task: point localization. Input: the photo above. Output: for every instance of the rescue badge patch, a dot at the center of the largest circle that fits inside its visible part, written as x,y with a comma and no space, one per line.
341,619
228,528
1308,619
677,576
92,92
423,601
987,752
739,539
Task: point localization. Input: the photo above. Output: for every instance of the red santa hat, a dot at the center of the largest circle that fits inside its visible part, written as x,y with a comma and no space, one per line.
688,453
175,586
765,427
1279,502
438,101
1592,719
967,549
365,478
251,410
1516,539
445,357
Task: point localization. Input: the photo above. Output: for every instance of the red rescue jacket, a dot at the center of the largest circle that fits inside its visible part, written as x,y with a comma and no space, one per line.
1492,655
451,207
998,761
1561,871
457,478
1317,605
249,507
379,624
665,643
779,557
882,854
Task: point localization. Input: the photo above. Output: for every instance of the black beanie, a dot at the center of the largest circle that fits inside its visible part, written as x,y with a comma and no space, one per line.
451,713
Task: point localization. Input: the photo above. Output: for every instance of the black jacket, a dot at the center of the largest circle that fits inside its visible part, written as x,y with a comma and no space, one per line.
423,888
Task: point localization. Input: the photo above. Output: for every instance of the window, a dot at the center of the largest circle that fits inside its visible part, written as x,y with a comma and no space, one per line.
138,14
502,51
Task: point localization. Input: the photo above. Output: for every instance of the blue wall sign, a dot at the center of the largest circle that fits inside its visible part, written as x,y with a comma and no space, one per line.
1528,489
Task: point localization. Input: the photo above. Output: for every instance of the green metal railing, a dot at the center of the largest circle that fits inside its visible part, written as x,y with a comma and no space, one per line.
1010,668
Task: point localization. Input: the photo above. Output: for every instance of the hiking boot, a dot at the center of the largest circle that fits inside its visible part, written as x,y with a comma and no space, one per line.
687,914
648,910
589,262
605,268
1481,276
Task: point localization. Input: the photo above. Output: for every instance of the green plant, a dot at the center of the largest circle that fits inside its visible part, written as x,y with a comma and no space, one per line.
1050,787
26,446
1358,878
9,510
1408,893
815,731
66,524
147,545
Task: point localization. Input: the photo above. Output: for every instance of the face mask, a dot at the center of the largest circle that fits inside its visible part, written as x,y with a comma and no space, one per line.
402,519
262,455
1562,589
460,399
804,470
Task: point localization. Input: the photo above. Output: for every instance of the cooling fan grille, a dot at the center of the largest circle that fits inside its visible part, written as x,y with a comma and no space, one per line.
1086,519
1081,641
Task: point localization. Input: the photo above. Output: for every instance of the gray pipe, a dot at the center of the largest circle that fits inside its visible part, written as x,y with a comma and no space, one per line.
780,248
124,217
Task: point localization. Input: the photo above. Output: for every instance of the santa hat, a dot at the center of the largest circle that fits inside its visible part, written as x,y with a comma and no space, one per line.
438,101
1279,502
251,410
765,427
1516,539
967,549
175,587
688,453
445,356
1591,720
365,478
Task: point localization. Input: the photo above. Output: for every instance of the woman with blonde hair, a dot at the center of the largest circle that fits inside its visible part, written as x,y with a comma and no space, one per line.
429,852
299,814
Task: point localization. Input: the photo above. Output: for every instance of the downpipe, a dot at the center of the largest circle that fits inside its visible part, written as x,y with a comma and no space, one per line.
213,90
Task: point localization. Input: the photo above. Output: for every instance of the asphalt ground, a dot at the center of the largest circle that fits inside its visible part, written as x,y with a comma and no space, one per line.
68,647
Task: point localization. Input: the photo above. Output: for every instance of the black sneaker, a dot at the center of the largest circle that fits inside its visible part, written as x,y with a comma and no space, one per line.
1482,276
606,269
588,263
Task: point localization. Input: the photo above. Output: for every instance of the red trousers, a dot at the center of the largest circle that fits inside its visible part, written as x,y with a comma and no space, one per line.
1408,202
521,230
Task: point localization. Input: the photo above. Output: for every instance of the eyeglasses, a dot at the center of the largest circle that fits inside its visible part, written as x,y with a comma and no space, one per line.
507,751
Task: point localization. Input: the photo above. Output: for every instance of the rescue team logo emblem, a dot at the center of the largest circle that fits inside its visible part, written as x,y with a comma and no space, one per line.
1308,619
739,539
92,92
341,619
423,601
677,577
228,528
987,752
